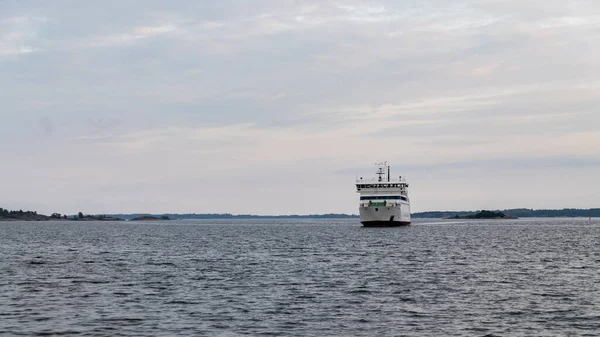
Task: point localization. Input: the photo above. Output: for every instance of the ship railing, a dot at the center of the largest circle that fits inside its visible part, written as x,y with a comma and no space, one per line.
383,180
392,203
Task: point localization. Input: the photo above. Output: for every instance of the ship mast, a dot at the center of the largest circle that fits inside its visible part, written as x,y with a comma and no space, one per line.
381,171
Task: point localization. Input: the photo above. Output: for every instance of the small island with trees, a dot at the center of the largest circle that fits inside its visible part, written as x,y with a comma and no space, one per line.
20,215
483,215
150,218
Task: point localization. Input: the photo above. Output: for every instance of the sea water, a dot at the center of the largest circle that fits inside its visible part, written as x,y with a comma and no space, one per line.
300,278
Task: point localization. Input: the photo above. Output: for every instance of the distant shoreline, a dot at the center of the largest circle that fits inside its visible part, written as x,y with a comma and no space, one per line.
510,213
6,215
485,215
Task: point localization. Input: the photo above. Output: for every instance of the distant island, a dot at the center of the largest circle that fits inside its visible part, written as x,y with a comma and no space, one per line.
509,213
150,218
484,215
20,215
226,216
518,213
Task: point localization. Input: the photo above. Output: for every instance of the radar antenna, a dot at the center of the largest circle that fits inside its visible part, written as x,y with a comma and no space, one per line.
381,170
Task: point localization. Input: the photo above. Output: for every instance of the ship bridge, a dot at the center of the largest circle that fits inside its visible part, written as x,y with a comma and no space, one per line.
383,186
398,184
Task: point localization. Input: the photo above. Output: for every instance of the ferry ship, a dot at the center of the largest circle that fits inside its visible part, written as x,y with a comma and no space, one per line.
384,200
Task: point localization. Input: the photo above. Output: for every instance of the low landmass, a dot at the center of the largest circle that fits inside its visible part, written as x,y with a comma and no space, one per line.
509,214
518,213
34,216
216,216
484,215
150,218
20,215
95,218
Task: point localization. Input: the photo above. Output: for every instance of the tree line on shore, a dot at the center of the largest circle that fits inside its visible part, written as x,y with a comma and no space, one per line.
212,216
6,214
519,213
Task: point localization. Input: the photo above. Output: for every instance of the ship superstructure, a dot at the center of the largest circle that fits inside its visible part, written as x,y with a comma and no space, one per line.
383,199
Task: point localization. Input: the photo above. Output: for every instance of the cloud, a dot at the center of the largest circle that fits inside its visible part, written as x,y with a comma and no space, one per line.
150,99
137,33
18,35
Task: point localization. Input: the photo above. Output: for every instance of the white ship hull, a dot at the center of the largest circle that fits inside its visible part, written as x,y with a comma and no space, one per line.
385,216
384,200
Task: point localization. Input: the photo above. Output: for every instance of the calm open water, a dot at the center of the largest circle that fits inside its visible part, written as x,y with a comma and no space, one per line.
300,278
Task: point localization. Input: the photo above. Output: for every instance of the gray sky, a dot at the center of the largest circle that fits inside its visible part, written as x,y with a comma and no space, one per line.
273,107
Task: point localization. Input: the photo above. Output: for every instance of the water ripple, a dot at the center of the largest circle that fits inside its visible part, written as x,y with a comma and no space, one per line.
300,278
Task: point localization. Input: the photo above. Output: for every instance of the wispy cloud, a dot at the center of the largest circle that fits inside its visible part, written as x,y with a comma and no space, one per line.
158,97
137,33
18,35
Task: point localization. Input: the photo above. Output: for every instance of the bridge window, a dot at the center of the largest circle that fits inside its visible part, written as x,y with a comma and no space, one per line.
382,197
